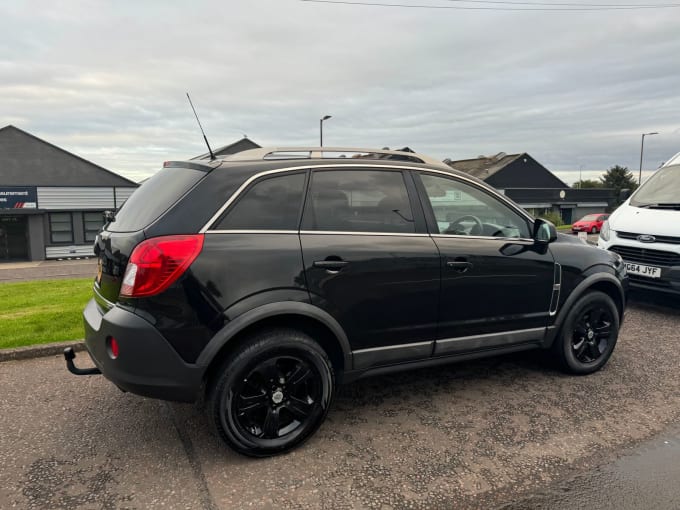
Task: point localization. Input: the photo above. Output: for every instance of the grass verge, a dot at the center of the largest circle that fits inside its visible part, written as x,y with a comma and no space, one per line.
564,227
44,311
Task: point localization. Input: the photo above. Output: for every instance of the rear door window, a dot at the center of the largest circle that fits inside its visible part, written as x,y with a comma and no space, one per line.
358,201
155,196
273,203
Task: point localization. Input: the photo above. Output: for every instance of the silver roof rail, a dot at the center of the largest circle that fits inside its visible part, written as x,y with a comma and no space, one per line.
318,153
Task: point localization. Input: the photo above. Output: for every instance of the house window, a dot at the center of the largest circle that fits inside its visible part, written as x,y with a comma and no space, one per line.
92,224
61,228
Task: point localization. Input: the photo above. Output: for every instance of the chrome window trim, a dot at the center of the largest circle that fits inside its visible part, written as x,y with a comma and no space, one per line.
366,166
251,231
340,232
506,239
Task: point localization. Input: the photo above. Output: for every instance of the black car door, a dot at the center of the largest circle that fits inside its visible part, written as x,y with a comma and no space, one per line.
370,263
497,282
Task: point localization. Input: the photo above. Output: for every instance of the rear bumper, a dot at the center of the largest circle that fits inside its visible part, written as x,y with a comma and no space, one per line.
146,364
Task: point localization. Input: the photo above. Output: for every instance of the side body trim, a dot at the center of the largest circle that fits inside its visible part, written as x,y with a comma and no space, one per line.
367,358
466,344
433,362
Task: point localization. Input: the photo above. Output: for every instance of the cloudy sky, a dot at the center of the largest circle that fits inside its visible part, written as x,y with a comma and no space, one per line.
107,80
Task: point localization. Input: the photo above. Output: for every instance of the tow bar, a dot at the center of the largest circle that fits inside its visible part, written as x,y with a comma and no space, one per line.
70,355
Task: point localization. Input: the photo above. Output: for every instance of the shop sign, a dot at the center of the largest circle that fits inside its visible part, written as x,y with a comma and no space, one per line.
18,197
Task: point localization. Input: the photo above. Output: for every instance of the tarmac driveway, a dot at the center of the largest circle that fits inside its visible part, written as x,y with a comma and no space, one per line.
472,435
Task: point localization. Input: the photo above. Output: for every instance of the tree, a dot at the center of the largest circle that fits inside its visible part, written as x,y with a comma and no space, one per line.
587,183
619,177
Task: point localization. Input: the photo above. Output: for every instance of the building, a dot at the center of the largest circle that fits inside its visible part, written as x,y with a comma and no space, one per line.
51,201
534,187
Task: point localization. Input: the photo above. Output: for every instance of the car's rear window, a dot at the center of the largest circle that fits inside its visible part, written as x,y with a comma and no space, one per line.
155,196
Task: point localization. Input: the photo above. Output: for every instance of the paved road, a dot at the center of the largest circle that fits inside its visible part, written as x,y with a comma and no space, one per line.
474,435
47,270
646,478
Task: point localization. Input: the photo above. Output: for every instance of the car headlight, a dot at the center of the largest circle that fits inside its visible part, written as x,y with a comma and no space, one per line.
604,233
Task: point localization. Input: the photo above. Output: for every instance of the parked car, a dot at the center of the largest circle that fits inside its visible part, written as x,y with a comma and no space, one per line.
592,223
262,282
645,231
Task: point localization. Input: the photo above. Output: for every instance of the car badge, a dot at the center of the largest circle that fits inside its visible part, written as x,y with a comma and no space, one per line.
644,238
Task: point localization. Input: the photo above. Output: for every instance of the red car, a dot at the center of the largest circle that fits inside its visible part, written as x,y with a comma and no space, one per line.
591,223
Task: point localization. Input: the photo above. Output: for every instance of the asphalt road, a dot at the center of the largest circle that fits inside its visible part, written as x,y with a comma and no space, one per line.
480,434
47,269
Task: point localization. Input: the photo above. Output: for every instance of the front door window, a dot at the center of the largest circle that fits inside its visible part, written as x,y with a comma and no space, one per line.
461,209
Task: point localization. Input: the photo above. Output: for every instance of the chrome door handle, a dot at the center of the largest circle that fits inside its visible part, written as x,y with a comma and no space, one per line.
460,266
331,265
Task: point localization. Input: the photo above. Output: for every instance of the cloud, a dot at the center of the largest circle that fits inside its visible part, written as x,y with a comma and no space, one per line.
108,81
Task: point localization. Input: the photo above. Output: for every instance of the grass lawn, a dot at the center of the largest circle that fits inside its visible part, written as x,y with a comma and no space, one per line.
564,227
44,311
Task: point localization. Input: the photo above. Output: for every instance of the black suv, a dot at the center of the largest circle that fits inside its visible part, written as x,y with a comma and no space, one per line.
263,280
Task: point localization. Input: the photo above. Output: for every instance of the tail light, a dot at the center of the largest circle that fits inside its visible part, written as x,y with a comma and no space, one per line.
157,263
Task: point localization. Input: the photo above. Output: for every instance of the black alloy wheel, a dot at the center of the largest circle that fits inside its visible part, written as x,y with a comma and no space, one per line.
278,396
272,393
592,333
588,334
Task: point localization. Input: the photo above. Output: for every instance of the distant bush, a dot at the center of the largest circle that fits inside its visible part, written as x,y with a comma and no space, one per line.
553,218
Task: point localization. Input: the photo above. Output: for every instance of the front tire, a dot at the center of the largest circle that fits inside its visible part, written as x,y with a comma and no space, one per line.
272,393
593,230
589,334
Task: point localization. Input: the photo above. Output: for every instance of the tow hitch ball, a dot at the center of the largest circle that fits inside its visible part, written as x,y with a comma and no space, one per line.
70,355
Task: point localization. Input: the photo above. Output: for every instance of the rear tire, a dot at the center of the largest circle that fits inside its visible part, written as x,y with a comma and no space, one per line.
589,334
272,393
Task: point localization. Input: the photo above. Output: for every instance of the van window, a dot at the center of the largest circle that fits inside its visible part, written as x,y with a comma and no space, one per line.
661,190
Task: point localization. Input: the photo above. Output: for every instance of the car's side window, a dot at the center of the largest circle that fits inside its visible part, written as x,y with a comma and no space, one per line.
461,209
358,201
270,204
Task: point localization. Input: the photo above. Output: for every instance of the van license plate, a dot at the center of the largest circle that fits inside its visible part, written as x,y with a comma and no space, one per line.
648,271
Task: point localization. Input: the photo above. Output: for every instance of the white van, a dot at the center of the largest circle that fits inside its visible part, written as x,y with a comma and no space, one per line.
645,231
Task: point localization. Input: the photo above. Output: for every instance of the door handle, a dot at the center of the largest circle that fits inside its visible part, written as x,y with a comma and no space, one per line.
330,265
459,265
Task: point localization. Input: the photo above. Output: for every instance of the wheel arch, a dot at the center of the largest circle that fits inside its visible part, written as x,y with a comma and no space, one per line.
313,321
603,282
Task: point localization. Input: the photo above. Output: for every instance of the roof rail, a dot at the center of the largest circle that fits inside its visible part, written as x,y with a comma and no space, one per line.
318,153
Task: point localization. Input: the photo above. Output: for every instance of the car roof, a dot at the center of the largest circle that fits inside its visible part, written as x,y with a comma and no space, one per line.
251,162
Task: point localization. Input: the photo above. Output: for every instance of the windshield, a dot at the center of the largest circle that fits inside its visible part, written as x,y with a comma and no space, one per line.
661,188
590,217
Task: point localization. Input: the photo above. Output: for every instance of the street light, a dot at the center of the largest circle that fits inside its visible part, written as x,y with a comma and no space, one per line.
642,148
325,117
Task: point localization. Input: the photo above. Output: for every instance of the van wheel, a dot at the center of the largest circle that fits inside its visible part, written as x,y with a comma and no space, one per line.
588,336
271,394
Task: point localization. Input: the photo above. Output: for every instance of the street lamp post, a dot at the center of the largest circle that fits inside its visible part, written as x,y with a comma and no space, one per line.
642,148
325,117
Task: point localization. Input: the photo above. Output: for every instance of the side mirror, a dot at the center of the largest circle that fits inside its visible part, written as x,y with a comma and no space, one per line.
624,194
544,231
